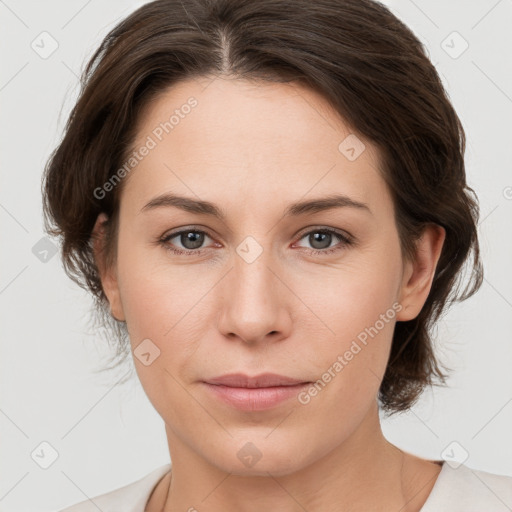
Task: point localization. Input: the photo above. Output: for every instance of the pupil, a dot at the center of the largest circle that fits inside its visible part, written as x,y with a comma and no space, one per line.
322,237
192,240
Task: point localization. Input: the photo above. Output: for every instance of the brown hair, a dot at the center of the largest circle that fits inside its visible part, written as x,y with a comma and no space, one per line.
365,62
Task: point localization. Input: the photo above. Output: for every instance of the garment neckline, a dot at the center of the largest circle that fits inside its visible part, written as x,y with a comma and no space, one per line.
430,497
435,488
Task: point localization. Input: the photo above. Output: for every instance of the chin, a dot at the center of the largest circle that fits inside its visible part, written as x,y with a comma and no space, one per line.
242,457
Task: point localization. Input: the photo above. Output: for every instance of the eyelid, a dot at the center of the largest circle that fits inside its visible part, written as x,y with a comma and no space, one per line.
186,229
346,238
319,228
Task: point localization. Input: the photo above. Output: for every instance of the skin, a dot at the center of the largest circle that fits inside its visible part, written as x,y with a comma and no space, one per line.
252,149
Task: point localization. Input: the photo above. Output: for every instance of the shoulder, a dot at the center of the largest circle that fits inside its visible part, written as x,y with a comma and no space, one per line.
463,489
129,498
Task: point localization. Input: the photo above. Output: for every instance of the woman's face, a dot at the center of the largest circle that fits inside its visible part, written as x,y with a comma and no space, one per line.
262,287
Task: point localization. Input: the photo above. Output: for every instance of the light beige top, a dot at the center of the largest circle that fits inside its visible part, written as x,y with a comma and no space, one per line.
456,490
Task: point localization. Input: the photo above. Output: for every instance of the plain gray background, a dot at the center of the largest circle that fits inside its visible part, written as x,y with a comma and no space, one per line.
108,435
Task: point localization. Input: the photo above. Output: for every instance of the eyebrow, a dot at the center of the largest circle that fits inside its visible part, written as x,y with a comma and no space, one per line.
293,210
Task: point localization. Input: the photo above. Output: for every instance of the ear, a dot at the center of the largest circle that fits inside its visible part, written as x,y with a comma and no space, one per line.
108,274
419,273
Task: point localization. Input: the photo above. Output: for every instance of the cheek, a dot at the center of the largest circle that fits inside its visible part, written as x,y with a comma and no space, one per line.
356,306
155,294
162,304
171,306
350,365
351,296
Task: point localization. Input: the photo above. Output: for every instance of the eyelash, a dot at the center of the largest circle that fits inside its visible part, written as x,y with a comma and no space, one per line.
345,241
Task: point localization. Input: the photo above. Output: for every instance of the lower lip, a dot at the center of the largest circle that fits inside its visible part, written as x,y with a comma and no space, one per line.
255,399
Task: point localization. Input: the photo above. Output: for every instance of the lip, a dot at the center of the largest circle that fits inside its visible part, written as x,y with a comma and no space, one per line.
264,380
257,393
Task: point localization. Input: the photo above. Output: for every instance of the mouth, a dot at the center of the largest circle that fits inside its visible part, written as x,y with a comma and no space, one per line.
258,393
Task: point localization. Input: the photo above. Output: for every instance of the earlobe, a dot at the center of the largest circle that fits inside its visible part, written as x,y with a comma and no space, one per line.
107,273
419,273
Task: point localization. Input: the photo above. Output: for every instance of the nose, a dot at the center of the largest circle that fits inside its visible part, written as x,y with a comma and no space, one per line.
255,304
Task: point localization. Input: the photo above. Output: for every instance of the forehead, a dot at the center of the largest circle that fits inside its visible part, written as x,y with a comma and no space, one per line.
233,141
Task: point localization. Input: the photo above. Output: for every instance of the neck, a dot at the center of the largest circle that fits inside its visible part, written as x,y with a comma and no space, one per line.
365,472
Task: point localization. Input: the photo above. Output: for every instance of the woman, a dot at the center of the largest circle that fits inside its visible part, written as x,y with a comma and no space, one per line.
269,199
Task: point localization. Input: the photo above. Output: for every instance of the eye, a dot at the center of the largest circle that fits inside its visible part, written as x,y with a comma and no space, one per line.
321,240
191,241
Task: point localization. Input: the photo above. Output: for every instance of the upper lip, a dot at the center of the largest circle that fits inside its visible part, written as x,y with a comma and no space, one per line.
265,380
